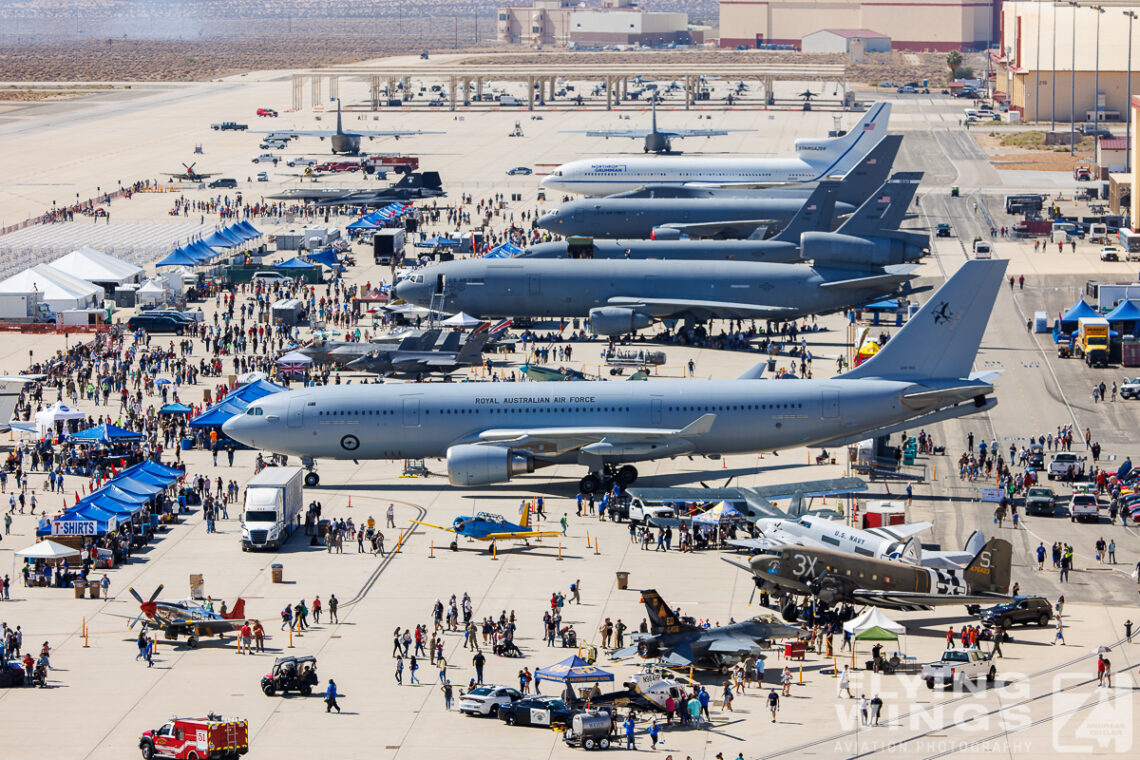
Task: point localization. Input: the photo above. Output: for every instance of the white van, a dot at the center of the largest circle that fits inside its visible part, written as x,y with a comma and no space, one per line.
983,250
509,100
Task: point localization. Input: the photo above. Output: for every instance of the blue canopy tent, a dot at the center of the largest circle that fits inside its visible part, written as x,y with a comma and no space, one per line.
503,251
237,233
439,241
156,468
368,222
131,485
112,491
573,670
175,409
218,414
1080,310
149,478
249,229
104,520
105,433
106,503
883,304
220,239
326,258
1127,315
178,258
202,251
255,390
293,263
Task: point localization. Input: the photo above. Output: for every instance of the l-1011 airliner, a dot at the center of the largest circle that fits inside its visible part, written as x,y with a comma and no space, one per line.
491,432
816,159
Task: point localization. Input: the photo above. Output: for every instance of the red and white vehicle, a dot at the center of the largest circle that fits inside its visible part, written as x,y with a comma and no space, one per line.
266,112
334,167
209,738
391,162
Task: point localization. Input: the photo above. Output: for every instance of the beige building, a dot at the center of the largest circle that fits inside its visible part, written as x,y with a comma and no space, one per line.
614,22
1046,77
910,25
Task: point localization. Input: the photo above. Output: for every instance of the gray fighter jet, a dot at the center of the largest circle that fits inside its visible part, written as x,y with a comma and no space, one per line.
492,432
341,352
680,642
451,355
620,297
711,211
871,230
411,187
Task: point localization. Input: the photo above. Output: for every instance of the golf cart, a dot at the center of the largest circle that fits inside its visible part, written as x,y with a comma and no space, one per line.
291,674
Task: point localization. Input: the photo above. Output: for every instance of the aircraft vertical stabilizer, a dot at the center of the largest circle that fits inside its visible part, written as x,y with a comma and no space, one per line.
662,619
816,214
942,339
845,152
989,571
885,209
872,171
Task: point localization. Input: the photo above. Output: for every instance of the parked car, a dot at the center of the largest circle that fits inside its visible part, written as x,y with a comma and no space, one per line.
262,176
942,230
224,182
1111,253
299,161
266,158
486,700
1023,610
1084,507
958,666
297,674
272,278
266,112
157,323
519,170
1066,466
11,674
1130,388
536,711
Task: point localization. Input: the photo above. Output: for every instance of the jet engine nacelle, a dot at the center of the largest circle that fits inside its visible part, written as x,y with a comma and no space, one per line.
617,320
475,465
664,233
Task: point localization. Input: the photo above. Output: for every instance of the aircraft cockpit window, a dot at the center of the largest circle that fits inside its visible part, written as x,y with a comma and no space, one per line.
255,411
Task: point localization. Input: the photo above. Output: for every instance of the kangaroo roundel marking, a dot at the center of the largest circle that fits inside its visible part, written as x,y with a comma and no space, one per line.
350,443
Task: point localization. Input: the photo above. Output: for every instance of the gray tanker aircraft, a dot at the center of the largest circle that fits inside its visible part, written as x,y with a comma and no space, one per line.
620,296
341,141
872,230
654,140
714,212
491,432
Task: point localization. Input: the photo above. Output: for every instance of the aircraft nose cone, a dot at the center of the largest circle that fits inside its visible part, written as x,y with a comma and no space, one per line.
548,221
235,427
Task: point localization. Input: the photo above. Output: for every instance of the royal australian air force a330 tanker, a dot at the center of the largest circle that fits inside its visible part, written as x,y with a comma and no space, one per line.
815,159
491,432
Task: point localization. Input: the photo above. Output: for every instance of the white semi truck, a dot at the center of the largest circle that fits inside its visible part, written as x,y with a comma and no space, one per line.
272,508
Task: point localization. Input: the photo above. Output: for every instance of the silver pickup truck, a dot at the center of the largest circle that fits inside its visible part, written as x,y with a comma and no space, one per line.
959,666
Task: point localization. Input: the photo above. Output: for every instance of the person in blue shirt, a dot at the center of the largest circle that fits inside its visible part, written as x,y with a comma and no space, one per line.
703,698
330,697
629,727
654,730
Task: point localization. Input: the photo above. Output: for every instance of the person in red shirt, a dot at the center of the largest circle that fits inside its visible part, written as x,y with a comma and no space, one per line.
245,636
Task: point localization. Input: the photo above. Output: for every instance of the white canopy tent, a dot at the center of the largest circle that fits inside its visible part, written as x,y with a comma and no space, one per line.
872,618
152,293
462,319
57,418
57,289
98,267
48,550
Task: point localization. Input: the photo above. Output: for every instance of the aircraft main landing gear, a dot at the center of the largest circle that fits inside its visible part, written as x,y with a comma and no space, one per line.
624,476
312,479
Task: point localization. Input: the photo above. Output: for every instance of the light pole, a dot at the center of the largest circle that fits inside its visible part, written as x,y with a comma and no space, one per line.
1053,79
1073,84
1128,99
1037,68
1096,77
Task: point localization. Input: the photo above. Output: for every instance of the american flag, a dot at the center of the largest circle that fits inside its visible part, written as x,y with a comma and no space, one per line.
884,199
868,127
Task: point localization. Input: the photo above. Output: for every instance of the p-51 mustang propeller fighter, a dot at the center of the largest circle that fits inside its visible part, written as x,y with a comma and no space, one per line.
186,618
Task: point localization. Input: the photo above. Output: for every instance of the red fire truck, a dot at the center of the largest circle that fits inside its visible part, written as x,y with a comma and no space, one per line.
209,738
391,162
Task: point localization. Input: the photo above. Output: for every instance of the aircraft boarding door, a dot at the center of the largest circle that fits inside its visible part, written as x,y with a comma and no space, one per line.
296,412
579,216
411,412
534,287
830,404
655,410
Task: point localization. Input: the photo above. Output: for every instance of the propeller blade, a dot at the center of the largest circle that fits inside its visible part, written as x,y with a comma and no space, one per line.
135,594
752,595
134,622
157,591
727,482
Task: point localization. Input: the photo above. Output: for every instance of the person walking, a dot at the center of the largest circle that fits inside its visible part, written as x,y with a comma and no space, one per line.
773,703
786,680
413,670
1041,556
479,661
864,709
654,730
391,515
332,608
630,726
399,671
1060,636
576,591
845,683
330,697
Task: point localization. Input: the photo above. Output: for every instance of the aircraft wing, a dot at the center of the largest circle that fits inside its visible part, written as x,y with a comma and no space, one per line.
560,440
633,134
209,627
946,560
825,487
890,276
431,525
624,653
742,227
733,644
913,601
903,532
671,307
520,534
681,657
761,544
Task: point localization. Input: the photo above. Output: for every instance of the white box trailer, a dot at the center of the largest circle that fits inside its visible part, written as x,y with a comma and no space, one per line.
273,502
